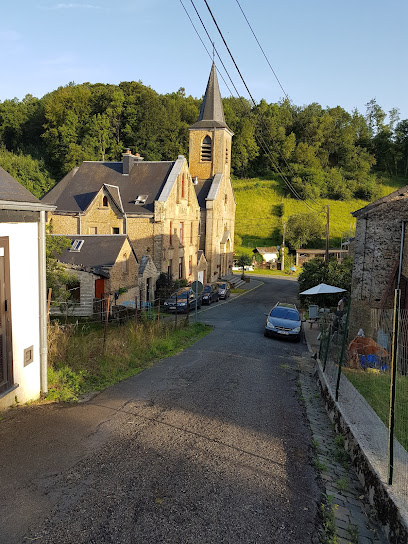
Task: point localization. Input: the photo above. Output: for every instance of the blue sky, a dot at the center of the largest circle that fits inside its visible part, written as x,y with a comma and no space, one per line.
331,52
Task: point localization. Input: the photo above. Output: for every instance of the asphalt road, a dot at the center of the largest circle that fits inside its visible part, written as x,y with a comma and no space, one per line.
209,446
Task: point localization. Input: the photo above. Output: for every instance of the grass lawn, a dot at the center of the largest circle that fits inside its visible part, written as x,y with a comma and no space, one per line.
77,364
375,388
262,208
267,272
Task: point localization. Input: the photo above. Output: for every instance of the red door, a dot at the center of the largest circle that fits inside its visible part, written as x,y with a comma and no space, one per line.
99,288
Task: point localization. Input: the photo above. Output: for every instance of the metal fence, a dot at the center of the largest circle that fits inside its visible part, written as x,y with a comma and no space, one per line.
369,379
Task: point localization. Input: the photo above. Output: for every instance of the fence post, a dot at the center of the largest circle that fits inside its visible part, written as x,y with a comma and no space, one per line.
106,324
326,354
136,315
175,319
343,345
394,354
49,303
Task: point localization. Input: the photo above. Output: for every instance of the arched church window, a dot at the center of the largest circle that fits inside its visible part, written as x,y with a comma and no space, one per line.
206,149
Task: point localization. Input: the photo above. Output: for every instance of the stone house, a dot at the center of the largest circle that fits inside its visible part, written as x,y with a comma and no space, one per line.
305,255
106,265
183,217
210,167
23,299
380,241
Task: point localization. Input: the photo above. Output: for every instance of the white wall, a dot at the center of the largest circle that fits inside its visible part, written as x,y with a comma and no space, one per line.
23,245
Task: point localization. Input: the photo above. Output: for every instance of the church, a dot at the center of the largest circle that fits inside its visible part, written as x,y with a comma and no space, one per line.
180,214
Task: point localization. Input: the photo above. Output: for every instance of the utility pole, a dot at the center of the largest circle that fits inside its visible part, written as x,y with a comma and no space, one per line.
326,257
283,247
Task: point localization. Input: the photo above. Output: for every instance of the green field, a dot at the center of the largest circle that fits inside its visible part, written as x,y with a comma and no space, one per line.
262,208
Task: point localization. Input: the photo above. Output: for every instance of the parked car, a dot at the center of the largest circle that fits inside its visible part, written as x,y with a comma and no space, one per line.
210,293
284,321
224,289
184,300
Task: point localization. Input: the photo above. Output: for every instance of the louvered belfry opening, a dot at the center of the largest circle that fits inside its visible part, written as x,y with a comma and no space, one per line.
206,149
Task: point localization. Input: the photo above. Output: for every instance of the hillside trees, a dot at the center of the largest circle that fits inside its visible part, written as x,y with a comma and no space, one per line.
323,152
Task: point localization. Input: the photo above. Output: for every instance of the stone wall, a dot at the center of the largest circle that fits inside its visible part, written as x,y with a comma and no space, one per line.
376,257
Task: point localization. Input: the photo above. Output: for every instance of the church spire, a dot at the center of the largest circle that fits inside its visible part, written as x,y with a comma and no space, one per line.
212,110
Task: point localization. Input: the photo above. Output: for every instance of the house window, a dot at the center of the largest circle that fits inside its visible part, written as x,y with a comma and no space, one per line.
181,233
169,267
191,232
76,245
206,149
105,202
115,230
171,233
190,265
125,267
180,270
182,186
93,230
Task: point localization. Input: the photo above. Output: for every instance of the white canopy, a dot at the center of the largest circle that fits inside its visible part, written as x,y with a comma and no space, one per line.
323,289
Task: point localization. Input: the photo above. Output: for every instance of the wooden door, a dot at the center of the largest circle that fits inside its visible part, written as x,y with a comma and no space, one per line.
6,378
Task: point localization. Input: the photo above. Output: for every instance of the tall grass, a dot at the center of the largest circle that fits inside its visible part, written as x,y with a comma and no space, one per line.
77,363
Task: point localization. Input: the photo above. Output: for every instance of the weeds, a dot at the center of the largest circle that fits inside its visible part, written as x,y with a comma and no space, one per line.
342,483
77,363
327,509
319,465
353,534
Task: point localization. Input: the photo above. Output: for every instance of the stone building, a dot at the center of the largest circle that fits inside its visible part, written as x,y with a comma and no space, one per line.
210,168
380,228
105,265
182,217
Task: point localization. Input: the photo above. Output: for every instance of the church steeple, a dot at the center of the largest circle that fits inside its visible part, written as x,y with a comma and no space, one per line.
212,110
210,137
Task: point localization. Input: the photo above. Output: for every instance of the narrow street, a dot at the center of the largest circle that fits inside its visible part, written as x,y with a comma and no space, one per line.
209,446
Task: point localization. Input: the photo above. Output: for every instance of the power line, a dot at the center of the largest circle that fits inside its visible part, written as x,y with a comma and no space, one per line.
261,140
254,103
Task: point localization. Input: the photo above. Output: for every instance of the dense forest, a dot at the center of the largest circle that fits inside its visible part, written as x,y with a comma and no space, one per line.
323,152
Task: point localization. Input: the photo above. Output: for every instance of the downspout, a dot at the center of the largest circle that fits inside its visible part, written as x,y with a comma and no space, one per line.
79,225
42,273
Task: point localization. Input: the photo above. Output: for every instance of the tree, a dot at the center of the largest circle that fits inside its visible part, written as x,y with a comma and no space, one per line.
303,229
57,276
243,261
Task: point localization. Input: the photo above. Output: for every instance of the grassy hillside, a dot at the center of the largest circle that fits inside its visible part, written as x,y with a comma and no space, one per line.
262,208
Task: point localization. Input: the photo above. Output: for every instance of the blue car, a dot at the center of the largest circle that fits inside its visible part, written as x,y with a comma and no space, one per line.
284,321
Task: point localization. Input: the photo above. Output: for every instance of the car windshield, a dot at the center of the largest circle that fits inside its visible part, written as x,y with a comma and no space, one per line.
179,295
207,288
285,313
223,285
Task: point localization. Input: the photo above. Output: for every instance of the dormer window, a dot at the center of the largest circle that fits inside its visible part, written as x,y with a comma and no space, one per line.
206,150
105,202
76,245
141,199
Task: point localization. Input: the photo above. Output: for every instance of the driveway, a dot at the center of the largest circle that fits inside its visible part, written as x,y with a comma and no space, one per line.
208,446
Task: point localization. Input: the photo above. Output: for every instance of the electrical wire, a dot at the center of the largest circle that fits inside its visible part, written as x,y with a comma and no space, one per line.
263,144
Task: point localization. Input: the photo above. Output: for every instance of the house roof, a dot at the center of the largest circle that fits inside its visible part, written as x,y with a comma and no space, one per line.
202,188
264,250
78,188
212,110
395,195
320,251
97,251
13,192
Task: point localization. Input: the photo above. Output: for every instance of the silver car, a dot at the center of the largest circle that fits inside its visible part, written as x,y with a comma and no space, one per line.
284,321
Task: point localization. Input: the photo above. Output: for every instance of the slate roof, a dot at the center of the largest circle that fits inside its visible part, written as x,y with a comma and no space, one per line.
97,251
79,187
395,195
212,111
12,190
263,250
202,189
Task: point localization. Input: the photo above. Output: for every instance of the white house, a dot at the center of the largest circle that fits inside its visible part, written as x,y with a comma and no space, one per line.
269,254
23,312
